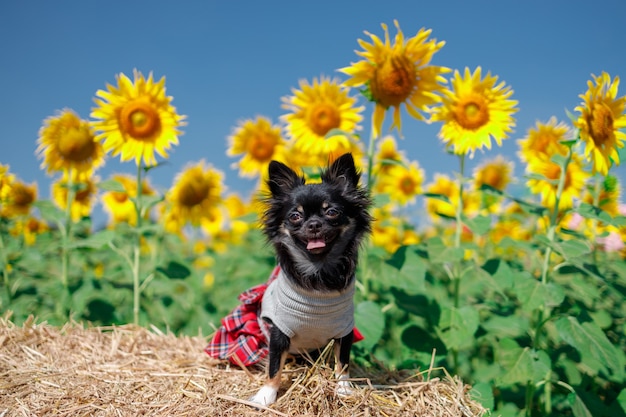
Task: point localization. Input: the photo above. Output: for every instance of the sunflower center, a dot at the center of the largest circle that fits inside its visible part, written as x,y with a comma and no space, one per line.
553,172
471,112
193,192
323,117
407,185
601,124
139,119
83,195
120,197
493,177
77,145
22,196
261,148
393,81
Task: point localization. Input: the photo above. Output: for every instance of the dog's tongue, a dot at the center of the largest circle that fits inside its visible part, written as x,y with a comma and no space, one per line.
315,244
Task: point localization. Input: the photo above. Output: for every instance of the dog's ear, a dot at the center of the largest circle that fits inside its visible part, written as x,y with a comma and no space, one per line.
282,179
342,171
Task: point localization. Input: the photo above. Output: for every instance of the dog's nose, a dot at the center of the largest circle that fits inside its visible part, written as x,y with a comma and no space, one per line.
314,226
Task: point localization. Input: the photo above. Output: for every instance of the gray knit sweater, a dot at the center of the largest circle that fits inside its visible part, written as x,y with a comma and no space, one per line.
310,318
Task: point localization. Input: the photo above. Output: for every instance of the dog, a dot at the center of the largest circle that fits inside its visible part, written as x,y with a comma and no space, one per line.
316,230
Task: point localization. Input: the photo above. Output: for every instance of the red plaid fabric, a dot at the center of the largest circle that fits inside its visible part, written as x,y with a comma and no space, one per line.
240,338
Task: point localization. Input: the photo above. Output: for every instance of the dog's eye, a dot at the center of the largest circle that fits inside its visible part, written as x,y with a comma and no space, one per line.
332,213
295,217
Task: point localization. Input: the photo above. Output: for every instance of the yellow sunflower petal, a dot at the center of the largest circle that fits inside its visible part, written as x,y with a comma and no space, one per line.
474,111
397,74
136,119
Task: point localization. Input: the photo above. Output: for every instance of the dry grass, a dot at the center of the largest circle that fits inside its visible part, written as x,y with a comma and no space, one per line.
130,371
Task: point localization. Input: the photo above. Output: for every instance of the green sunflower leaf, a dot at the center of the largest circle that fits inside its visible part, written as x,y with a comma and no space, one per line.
370,321
405,270
175,270
621,399
149,201
539,177
490,189
367,93
441,197
112,185
95,241
571,249
438,252
578,406
483,393
457,326
49,211
479,224
597,352
532,294
589,211
338,132
516,361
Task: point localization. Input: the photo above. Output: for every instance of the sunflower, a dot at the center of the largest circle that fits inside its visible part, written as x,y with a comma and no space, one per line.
444,186
196,194
119,205
402,183
237,208
545,140
30,228
390,231
474,111
19,198
315,110
609,195
509,227
212,224
397,74
387,155
512,228
326,151
84,198
136,119
495,173
6,178
575,179
67,143
601,118
205,263
259,141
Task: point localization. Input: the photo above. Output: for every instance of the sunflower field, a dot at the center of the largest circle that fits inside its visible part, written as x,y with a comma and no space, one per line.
522,296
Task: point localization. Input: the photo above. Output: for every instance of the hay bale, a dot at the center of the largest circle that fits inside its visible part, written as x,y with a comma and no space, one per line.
129,370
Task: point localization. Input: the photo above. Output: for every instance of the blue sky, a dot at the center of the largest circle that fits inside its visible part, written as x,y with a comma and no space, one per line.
228,61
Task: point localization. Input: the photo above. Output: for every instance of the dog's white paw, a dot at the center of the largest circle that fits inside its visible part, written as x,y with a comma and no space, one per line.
265,396
344,388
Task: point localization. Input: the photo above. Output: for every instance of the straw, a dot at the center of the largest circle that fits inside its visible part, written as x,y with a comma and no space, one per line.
79,370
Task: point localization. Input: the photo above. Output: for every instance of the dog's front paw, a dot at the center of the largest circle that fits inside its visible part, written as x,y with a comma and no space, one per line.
265,396
344,388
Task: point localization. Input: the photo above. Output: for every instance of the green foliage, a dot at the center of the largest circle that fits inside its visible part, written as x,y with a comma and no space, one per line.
537,327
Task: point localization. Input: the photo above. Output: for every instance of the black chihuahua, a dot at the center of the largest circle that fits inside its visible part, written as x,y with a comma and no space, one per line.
316,230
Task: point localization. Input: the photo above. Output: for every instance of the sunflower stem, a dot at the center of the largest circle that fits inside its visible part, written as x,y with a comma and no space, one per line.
370,160
459,207
66,231
137,249
370,183
456,274
543,310
5,262
594,222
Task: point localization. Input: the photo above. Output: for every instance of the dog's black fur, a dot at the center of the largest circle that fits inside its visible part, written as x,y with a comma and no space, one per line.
316,230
